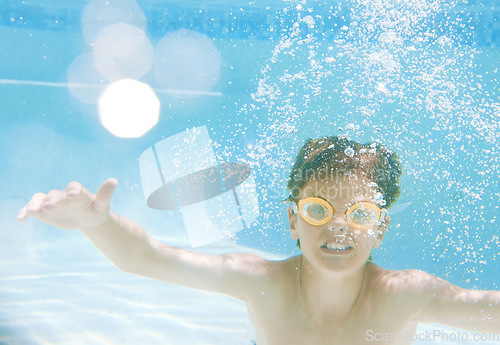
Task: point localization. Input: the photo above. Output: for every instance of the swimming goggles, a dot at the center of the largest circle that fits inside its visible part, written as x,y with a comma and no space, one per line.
317,211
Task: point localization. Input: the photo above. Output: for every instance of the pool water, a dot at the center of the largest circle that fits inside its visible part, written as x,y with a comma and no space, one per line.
421,77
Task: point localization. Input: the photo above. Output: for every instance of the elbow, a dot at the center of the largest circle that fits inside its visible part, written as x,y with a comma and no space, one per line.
131,263
137,262
125,268
137,256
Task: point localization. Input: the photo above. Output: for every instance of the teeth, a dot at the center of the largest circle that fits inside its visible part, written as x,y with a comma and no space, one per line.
336,246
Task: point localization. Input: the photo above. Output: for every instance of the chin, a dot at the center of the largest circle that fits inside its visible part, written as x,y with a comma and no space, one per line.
336,264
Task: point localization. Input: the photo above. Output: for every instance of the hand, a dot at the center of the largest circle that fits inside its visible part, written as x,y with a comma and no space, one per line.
73,208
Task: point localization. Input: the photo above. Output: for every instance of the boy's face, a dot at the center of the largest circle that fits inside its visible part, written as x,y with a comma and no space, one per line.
318,242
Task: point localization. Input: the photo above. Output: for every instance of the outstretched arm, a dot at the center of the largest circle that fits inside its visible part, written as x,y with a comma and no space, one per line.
445,303
132,250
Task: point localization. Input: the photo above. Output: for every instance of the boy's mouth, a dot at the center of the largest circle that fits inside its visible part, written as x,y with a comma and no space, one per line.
333,246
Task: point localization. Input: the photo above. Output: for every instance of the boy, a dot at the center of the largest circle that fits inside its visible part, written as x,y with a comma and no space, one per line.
332,293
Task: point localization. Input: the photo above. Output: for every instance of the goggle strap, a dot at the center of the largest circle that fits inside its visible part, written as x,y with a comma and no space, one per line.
383,213
292,205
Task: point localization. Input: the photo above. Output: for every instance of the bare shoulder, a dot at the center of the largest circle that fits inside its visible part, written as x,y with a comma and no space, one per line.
255,265
410,288
247,263
264,275
401,281
255,269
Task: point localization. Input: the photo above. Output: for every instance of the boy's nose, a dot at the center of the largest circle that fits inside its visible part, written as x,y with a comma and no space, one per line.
337,225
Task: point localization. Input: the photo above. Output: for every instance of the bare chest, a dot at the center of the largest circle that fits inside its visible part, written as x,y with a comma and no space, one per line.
282,320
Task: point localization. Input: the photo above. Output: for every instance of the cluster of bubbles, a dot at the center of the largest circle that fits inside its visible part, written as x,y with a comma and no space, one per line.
393,72
184,64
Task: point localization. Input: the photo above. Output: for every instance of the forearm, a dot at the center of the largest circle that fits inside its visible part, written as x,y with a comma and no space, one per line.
484,315
473,310
123,241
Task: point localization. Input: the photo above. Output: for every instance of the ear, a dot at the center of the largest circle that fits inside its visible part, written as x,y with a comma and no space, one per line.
380,232
292,219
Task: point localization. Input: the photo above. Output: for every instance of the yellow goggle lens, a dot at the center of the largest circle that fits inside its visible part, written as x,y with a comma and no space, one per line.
315,211
363,215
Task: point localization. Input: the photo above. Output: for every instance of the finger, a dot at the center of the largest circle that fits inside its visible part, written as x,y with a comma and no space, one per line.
104,194
73,190
22,215
33,207
52,199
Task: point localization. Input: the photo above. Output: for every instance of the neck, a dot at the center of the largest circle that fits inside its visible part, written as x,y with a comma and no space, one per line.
331,294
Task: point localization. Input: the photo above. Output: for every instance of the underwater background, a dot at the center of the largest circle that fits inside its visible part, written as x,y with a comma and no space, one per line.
420,77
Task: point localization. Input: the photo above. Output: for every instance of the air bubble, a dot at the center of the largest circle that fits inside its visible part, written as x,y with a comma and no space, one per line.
349,152
352,127
382,89
309,21
379,199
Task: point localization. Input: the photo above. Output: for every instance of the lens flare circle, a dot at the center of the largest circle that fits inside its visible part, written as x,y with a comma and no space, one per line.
128,108
125,48
85,82
186,60
100,14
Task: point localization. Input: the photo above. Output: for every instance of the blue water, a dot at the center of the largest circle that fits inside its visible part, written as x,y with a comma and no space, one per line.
421,77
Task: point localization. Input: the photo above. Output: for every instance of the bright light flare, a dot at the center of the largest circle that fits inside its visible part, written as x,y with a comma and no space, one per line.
129,108
125,48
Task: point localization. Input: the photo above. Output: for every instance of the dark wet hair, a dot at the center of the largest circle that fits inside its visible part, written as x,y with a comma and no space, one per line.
332,156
